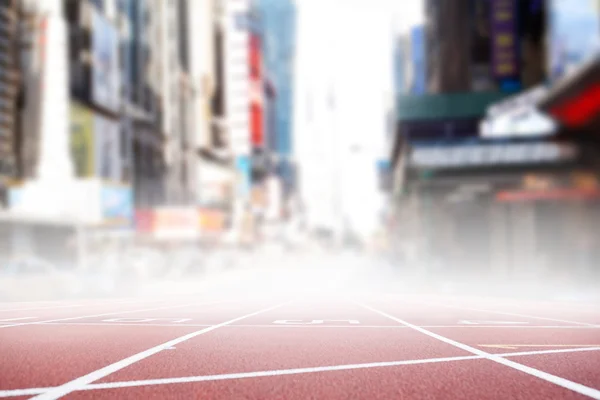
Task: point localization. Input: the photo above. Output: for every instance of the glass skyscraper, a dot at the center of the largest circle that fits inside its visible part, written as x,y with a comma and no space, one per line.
278,18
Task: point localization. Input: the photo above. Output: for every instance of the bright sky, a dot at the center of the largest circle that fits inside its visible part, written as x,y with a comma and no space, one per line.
407,13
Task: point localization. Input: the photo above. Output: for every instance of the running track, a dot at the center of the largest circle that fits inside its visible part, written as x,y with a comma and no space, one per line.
317,346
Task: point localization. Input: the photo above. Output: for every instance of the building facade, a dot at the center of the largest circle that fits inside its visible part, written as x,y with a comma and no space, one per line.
10,88
278,19
491,201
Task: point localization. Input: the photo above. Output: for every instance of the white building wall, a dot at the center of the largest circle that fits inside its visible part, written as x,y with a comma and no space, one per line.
236,73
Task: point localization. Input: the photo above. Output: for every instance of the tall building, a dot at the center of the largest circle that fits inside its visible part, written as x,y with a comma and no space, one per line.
172,31
10,83
142,118
490,196
215,169
448,39
278,19
214,176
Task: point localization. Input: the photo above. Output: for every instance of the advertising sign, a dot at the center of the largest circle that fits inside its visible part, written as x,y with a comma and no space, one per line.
105,71
117,204
256,93
144,220
243,166
492,155
527,122
211,220
108,155
176,222
574,34
82,140
505,45
15,197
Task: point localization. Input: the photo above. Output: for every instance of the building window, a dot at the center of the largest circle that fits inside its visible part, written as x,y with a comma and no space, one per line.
99,4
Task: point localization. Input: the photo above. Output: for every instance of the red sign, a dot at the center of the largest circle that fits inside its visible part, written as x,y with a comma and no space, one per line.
580,109
144,221
256,93
554,194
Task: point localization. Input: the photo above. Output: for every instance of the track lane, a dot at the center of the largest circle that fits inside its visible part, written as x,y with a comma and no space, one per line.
82,381
557,380
247,349
234,350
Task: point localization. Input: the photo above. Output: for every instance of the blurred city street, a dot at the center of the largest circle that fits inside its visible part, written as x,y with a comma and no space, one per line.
300,199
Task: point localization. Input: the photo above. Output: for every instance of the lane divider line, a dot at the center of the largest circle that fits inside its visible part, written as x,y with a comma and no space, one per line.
82,303
578,327
273,373
109,314
83,381
15,319
562,382
512,314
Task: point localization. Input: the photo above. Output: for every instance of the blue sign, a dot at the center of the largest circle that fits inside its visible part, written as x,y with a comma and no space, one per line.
15,196
417,40
117,204
243,164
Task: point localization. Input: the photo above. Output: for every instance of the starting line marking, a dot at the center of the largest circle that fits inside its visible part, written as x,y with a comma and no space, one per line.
517,346
273,373
313,322
466,322
16,319
109,314
545,376
81,382
142,320
512,314
324,326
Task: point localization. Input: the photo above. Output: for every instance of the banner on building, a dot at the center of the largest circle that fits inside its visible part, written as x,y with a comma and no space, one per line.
243,166
212,220
176,223
505,42
105,71
497,154
144,220
574,34
82,140
117,204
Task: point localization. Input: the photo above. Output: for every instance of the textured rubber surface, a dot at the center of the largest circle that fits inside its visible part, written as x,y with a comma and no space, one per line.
308,347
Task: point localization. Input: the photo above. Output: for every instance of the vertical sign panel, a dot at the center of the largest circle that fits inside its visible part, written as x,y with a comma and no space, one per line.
505,46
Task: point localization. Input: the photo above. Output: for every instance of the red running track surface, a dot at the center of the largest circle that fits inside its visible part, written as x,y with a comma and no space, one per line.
362,347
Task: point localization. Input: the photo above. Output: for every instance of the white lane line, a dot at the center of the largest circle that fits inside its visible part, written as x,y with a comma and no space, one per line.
512,314
293,371
23,392
562,382
41,308
16,319
578,327
108,314
82,381
83,303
